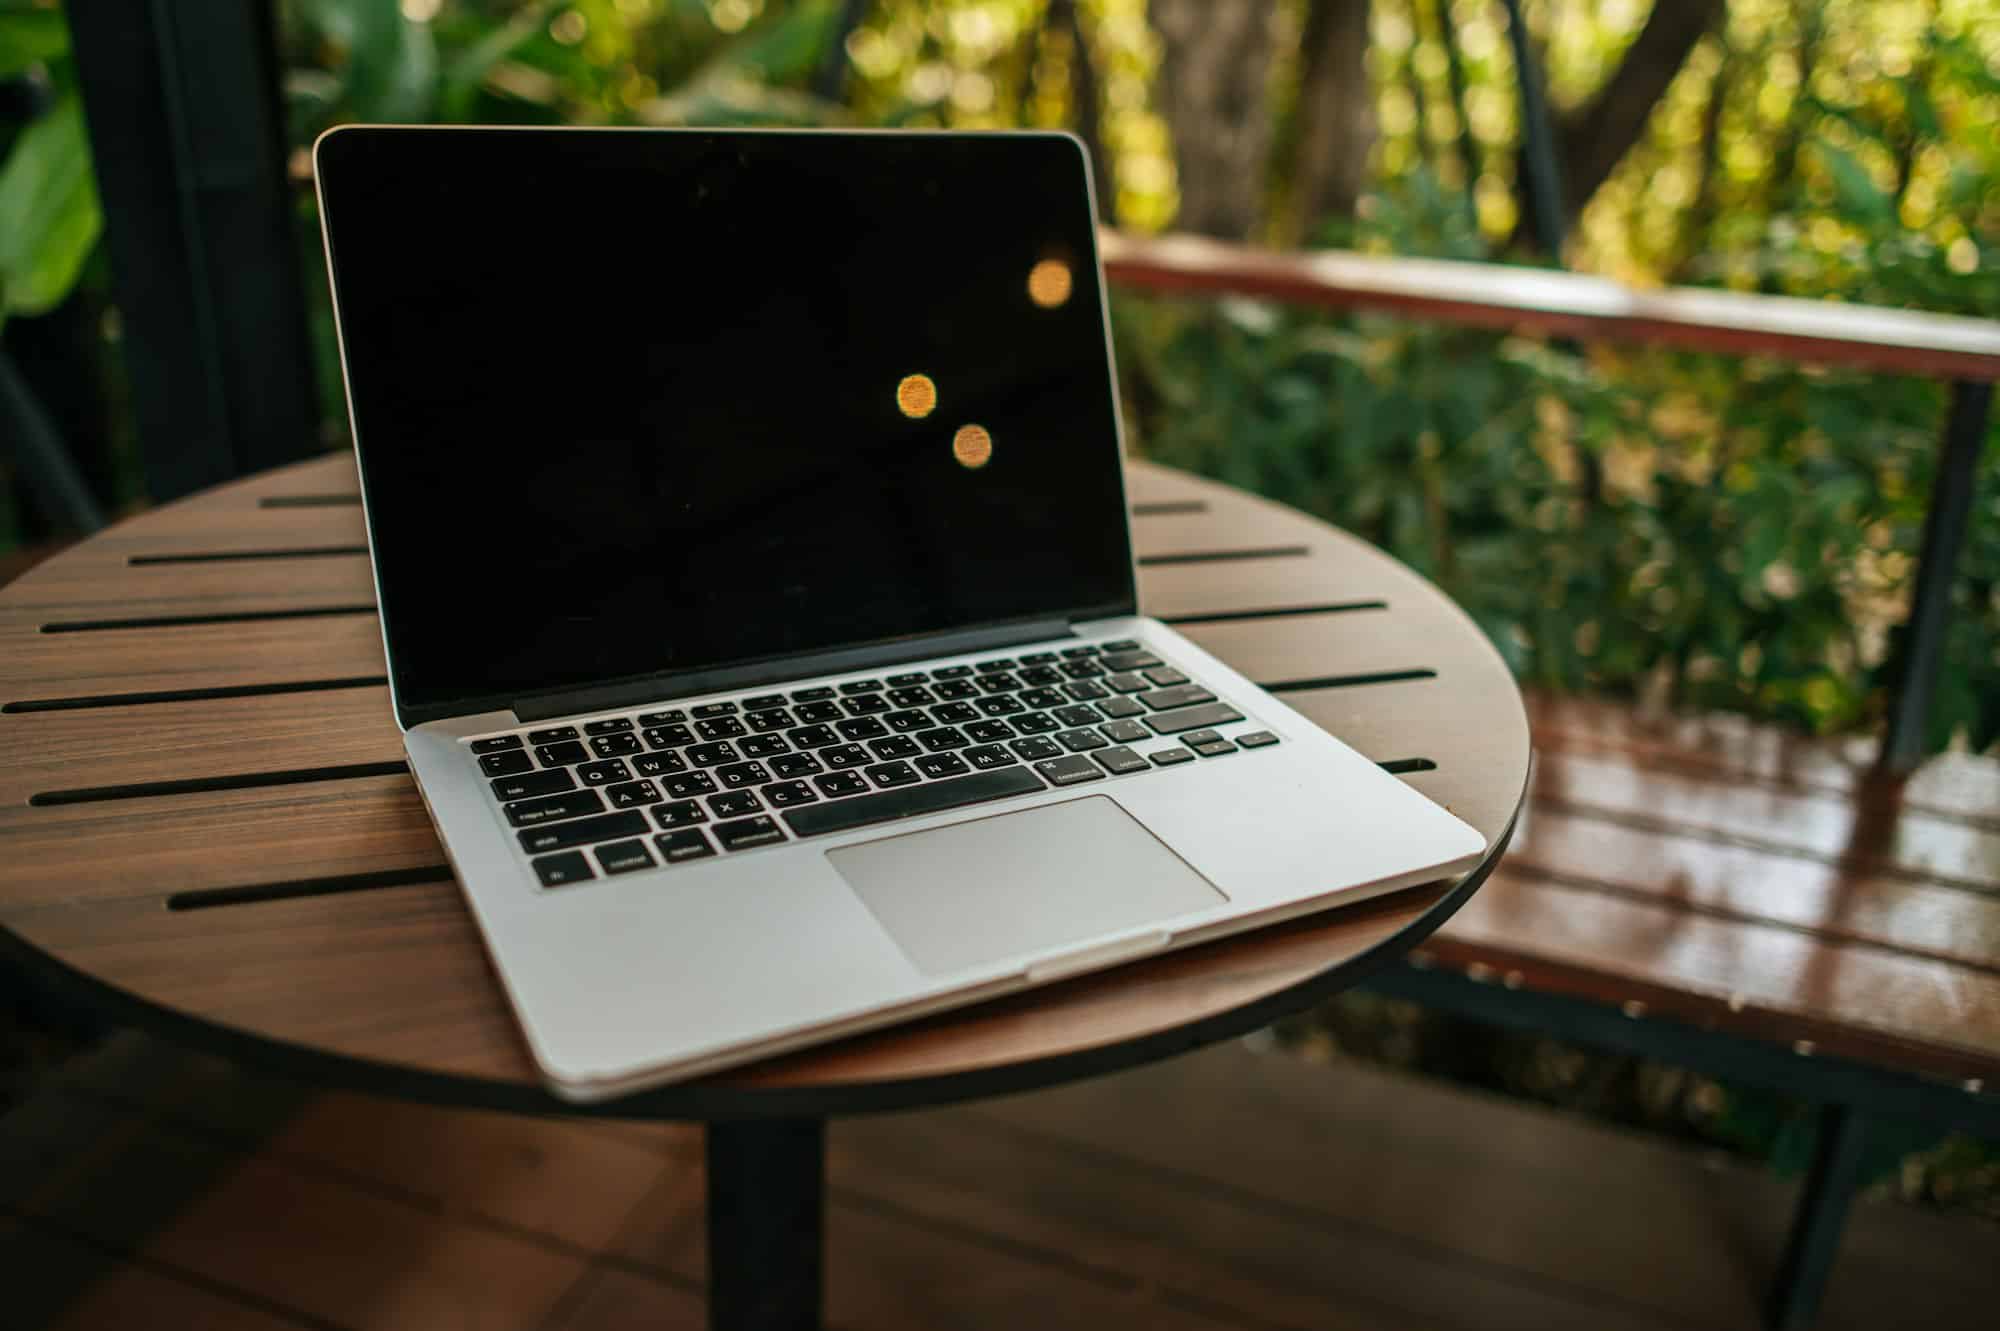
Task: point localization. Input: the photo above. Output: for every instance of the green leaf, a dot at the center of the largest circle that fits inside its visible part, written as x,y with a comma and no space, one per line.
1854,187
392,64
49,214
467,71
29,38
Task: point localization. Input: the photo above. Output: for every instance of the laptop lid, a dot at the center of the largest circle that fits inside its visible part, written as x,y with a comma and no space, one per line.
640,411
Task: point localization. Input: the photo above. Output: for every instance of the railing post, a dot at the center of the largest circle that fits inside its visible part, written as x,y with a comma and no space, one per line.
1821,1216
1538,146
1922,654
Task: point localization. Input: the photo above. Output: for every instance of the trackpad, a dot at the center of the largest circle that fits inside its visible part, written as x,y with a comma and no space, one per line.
981,892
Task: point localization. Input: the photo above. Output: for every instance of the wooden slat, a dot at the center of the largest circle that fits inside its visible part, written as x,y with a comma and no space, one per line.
1563,304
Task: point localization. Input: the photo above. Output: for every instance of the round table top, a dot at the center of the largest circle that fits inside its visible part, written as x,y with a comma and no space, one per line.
206,823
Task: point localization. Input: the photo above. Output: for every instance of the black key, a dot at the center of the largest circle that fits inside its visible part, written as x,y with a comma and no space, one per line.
861,727
1001,683
939,765
1165,676
631,794
844,755
562,754
1257,739
813,713
944,737
668,737
1120,645
1117,707
605,772
816,693
505,764
749,833
812,737
995,666
675,847
989,756
688,784
624,856
713,709
1076,741
866,704
1036,723
835,784
553,735
562,870
1036,747
1037,658
911,697
953,689
610,725
771,718
1171,757
763,746
1041,676
912,801
1180,695
1194,737
763,702
788,793
1128,683
1193,718
708,755
554,808
581,831
1044,698
1076,714
667,718
896,746
795,764
1120,760
1082,670
613,746
1074,652
1137,659
530,784
658,764
1002,704
735,804
1086,691
892,774
988,732
681,813
498,744
912,718
907,680
954,713
1213,748
1069,771
719,727
854,686
1125,732
951,672
738,775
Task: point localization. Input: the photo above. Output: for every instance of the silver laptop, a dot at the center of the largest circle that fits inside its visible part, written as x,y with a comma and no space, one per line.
750,538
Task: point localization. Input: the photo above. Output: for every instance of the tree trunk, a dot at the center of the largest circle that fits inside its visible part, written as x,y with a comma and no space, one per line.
1336,113
1214,73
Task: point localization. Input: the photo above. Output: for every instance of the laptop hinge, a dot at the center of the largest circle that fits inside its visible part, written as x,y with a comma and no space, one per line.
657,688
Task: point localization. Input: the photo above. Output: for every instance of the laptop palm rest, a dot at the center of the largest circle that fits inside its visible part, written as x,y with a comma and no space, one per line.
1015,884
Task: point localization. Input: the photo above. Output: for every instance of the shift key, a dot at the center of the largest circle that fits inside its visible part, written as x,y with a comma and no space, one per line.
583,831
1180,695
1193,718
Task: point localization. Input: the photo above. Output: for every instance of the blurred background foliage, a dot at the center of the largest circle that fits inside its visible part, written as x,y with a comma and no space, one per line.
1697,529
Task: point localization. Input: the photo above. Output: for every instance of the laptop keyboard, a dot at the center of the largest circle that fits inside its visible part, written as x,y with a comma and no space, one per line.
624,793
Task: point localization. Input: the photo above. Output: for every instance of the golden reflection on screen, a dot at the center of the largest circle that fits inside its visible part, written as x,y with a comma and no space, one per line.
1049,283
972,446
916,396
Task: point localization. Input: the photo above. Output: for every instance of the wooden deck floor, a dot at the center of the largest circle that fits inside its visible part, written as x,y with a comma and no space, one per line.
1227,1189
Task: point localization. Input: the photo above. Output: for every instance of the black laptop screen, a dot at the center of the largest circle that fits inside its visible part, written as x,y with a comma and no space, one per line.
630,403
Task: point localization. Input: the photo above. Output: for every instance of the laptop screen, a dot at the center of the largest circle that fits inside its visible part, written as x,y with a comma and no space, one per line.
631,403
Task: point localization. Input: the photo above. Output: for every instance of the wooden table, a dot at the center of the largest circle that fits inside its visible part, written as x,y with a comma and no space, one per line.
206,828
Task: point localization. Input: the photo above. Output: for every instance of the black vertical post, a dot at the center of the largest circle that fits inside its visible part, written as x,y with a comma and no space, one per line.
1922,653
189,147
1821,1215
766,1218
1538,146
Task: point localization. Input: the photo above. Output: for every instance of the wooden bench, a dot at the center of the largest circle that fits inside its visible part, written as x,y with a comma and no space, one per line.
1821,917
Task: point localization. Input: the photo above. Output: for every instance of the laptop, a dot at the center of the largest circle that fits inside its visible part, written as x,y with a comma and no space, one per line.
749,531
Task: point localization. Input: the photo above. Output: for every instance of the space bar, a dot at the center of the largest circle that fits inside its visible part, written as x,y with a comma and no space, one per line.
845,815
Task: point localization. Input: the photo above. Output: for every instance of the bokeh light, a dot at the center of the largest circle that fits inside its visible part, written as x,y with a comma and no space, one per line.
1049,283
916,396
972,446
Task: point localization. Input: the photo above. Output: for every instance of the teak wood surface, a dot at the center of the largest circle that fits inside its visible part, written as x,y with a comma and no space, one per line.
204,817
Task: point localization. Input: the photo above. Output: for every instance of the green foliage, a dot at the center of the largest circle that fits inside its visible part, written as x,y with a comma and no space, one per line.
49,214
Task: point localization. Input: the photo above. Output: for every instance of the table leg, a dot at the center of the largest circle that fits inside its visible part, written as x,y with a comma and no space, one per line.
766,1216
